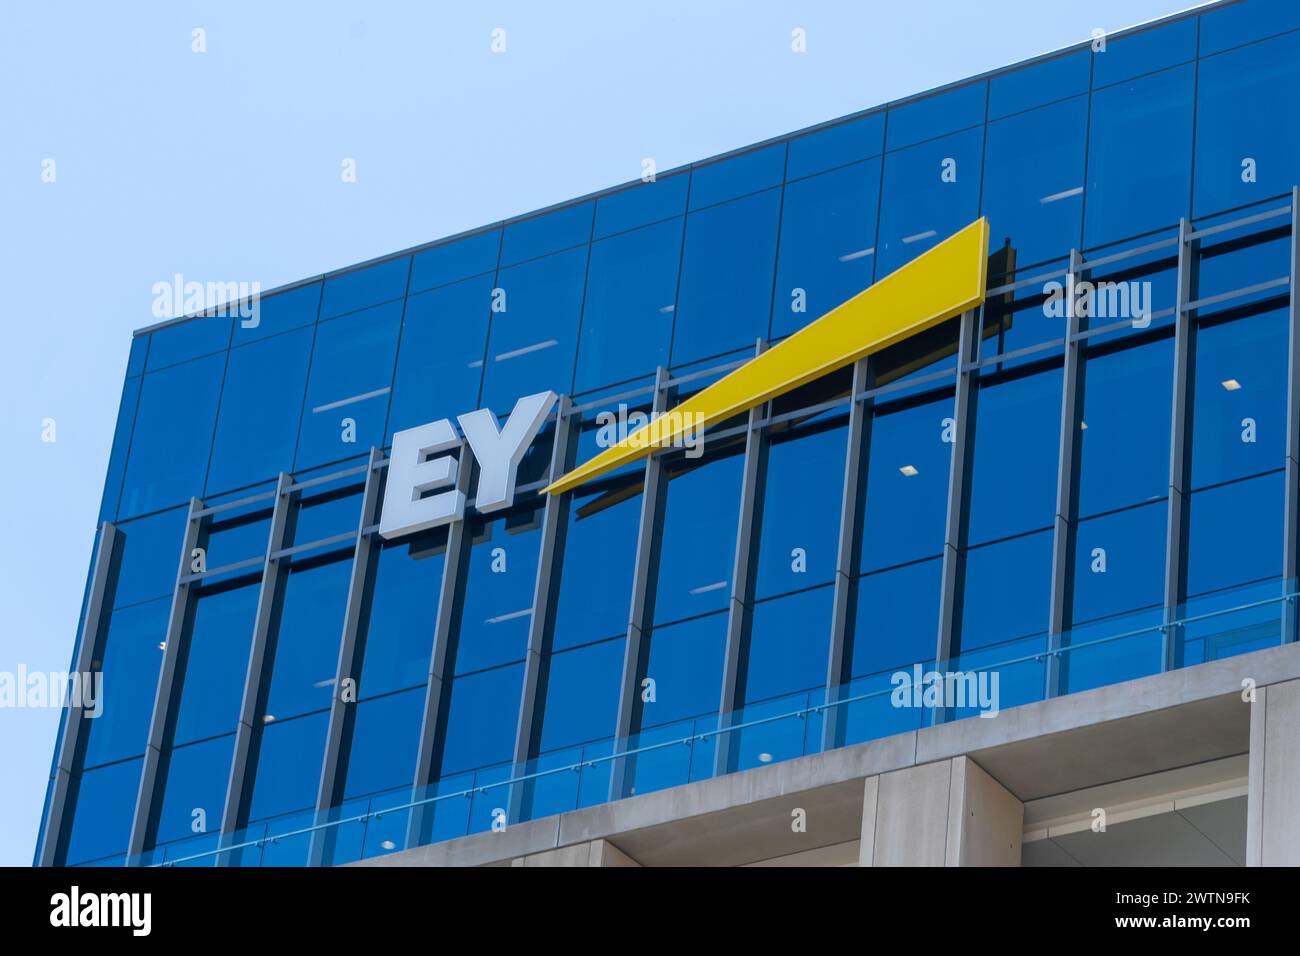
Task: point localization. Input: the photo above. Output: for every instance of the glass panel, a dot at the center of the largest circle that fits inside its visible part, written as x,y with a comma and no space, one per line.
1013,479
403,614
897,618
726,289
452,261
685,663
1033,182
1145,52
788,645
547,233
534,329
363,287
385,740
828,237
280,313
347,393
187,340
214,664
261,404
1235,534
440,359
1126,197
906,496
1119,563
1007,589
1248,124
195,789
105,802
836,145
121,445
935,115
1231,24
1125,428
173,435
327,510
288,766
498,602
641,205
481,719
627,318
581,694
701,512
151,554
747,173
1041,83
1239,403
131,657
930,192
306,641
801,514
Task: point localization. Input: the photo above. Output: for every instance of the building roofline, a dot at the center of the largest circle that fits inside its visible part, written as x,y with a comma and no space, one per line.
1195,10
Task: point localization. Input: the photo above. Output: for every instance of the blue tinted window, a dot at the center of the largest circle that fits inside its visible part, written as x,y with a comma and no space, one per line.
1124,434
136,358
930,192
238,534
216,663
1007,589
173,435
351,376
288,766
599,551
452,261
1129,56
1236,23
306,643
440,359
800,526
1235,534
130,659
533,339
1033,181
828,238
101,825
1239,406
726,290
582,694
685,662
701,512
261,404
151,553
906,495
550,232
1013,486
935,115
1119,562
640,205
481,719
1045,82
362,287
384,743
897,620
121,444
187,340
196,780
403,613
498,604
836,145
627,319
1248,109
788,645
280,313
328,510
1127,197
737,176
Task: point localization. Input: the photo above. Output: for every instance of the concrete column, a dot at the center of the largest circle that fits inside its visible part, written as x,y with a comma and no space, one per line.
947,813
1273,778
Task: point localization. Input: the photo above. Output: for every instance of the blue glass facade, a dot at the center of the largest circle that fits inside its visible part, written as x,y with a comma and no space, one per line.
1014,500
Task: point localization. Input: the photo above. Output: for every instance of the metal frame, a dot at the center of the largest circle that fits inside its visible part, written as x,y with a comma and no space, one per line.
1291,514
162,724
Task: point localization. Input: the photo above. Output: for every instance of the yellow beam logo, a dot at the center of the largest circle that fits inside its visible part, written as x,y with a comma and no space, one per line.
939,284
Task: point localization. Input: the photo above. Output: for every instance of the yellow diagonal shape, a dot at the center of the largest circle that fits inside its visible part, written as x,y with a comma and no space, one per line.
934,287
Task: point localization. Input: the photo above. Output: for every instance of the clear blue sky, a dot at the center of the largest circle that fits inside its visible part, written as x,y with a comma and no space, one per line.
225,166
